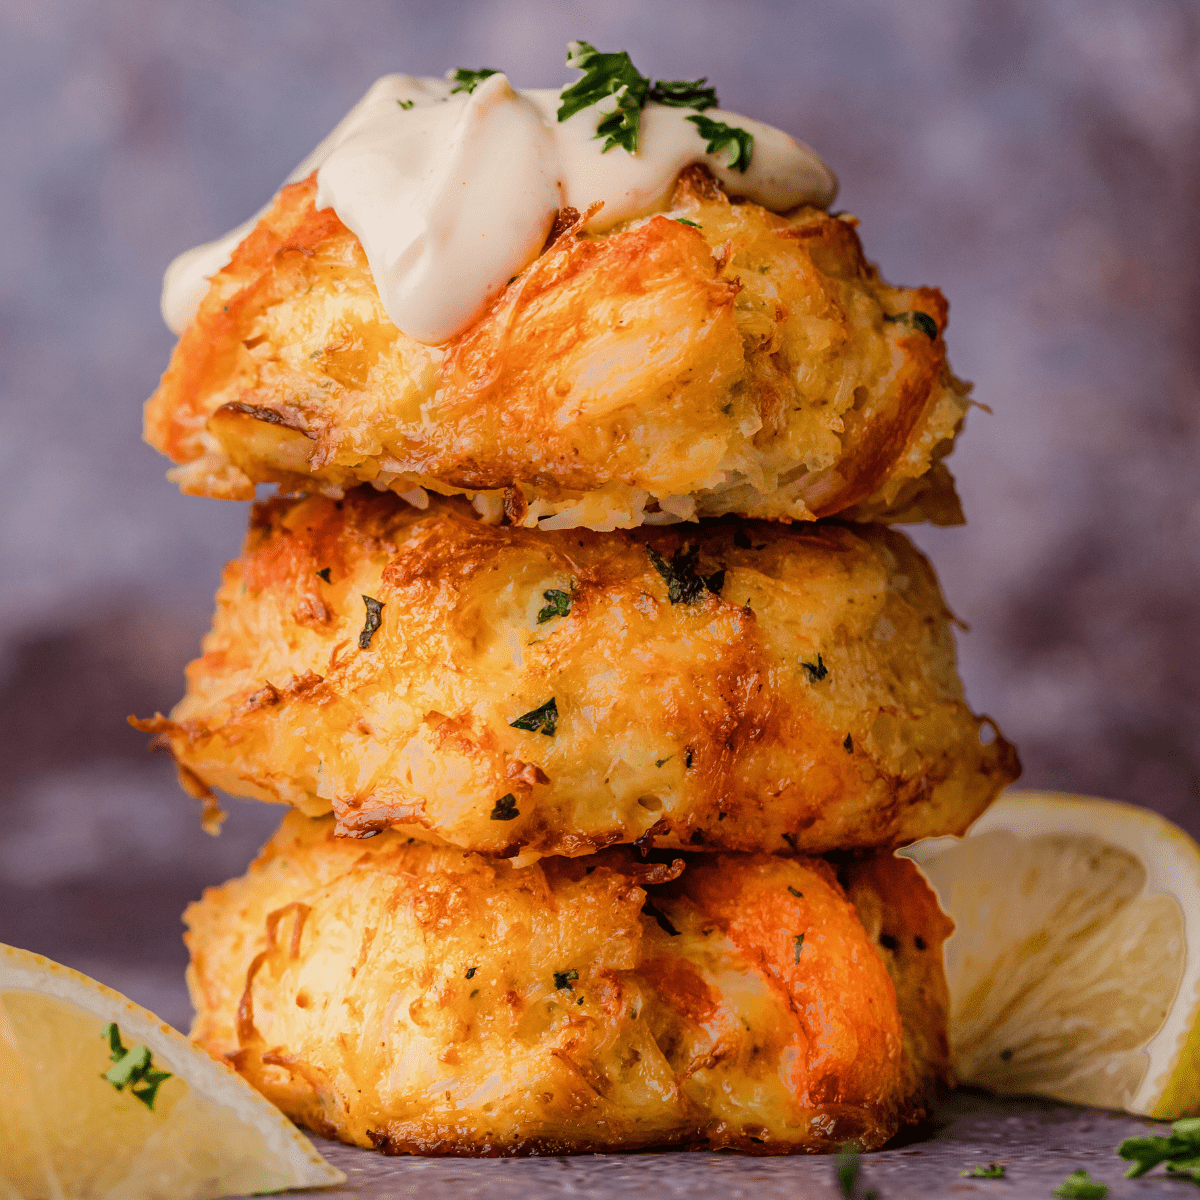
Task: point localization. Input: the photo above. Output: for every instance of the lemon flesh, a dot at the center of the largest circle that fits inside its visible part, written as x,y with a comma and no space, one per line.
66,1132
1070,971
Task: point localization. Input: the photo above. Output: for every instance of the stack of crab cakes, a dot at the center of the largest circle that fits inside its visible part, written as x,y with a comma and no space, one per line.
597,682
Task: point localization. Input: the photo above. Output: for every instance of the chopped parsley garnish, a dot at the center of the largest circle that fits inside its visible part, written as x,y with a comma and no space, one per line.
471,972
504,810
324,573
658,762
1180,1151
133,1069
684,93
606,75
407,104
559,605
795,893
685,221
918,320
815,671
798,942
718,135
372,623
543,719
684,586
845,1171
562,979
468,81
991,1171
1079,1185
848,744
615,75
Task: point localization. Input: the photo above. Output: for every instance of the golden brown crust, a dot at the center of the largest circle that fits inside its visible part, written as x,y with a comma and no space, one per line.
750,365
798,693
425,1000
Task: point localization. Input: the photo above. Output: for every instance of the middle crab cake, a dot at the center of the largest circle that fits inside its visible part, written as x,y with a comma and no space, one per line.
741,685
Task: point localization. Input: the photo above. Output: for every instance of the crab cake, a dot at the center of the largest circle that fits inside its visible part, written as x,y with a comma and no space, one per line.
420,999
738,685
714,359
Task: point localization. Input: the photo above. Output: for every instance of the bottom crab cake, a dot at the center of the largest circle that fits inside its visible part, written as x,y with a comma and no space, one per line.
424,999
729,686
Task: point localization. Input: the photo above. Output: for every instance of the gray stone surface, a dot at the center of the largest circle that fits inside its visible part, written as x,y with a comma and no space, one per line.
1039,1144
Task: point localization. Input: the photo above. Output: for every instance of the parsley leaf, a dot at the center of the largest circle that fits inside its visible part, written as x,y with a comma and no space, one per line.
471,972
685,221
794,892
718,135
848,744
562,979
918,320
133,1069
606,75
324,573
468,81
1180,1151
407,104
373,621
684,586
798,942
1079,1185
845,1170
543,719
991,1171
684,93
815,672
559,606
505,810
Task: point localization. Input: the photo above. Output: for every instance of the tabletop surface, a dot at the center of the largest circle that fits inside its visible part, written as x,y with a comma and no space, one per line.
1039,1144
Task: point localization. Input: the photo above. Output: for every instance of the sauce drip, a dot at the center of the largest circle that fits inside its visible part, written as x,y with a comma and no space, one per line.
452,194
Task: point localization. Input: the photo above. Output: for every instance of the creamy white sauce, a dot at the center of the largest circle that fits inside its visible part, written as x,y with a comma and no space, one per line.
455,194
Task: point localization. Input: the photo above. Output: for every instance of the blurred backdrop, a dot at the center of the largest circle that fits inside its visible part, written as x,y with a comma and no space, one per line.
1039,160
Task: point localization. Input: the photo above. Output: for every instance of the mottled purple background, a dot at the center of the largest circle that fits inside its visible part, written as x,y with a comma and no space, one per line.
1037,160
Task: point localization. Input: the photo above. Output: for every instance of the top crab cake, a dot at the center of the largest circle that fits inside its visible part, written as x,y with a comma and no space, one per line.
741,685
716,358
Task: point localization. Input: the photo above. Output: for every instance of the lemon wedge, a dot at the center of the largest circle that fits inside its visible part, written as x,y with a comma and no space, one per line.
1074,968
103,1100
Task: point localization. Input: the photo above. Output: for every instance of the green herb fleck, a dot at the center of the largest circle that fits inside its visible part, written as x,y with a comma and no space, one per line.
323,573
684,586
718,135
468,81
407,104
505,810
798,942
795,893
845,1170
373,621
1079,1185
562,979
815,671
659,762
685,221
848,744
133,1069
684,93
544,718
606,75
1180,1151
918,320
559,605
471,972
991,1171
